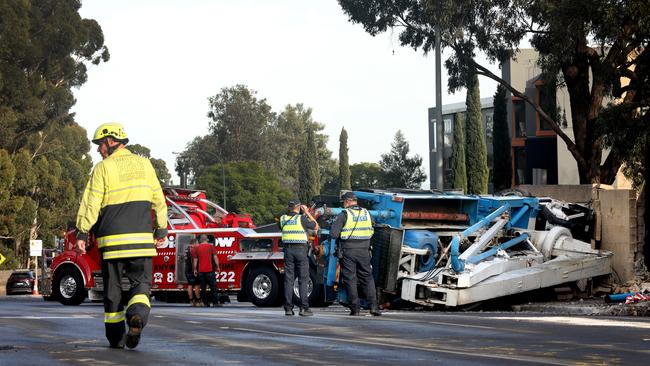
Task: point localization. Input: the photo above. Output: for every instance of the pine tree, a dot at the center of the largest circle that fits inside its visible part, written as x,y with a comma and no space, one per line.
459,174
476,151
308,177
398,169
344,165
501,142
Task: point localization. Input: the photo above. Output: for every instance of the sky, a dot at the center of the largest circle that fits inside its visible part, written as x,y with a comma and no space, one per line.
169,56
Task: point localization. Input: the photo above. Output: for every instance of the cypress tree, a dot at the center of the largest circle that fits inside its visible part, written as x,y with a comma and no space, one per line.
476,151
344,164
459,174
308,178
501,142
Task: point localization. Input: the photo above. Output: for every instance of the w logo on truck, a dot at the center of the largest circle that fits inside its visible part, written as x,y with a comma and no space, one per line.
224,242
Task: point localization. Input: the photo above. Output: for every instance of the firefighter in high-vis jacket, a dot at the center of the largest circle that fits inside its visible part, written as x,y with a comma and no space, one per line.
116,205
353,228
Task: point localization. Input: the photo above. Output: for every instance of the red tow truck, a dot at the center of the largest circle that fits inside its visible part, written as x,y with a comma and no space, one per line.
252,263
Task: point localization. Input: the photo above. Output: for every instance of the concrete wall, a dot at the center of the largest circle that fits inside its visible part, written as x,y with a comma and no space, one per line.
4,276
619,233
569,193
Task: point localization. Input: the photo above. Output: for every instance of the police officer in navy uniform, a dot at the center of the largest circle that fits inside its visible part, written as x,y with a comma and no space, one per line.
353,228
294,227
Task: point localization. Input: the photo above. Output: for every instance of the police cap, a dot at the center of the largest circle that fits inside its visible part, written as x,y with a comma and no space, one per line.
348,196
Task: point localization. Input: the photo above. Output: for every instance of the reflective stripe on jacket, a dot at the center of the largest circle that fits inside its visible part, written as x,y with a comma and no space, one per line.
292,230
358,225
119,197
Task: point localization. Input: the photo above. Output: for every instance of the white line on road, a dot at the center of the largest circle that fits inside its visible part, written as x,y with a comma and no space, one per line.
577,321
48,317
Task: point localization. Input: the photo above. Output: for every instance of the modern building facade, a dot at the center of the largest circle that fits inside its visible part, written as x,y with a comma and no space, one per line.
538,155
449,113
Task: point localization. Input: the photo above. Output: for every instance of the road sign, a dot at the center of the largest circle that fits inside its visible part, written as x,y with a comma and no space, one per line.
35,248
2,259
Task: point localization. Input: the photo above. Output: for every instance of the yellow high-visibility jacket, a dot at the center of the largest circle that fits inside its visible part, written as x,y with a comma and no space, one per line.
292,230
119,197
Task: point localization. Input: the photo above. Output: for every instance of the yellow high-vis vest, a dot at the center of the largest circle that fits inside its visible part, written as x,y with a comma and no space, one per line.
119,197
292,230
358,225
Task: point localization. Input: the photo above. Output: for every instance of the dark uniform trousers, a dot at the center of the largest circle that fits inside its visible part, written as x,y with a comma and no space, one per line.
138,271
209,279
295,260
356,270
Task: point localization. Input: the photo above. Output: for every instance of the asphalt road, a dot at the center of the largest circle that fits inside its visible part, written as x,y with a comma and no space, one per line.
34,332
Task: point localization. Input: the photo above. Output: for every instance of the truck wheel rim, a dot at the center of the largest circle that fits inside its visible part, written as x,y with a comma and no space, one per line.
68,287
262,286
296,287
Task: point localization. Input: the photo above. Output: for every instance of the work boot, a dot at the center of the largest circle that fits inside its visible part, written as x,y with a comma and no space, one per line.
288,312
374,310
135,329
305,312
119,344
354,310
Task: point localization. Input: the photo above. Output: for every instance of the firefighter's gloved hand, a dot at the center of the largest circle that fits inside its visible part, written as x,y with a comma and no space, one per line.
80,247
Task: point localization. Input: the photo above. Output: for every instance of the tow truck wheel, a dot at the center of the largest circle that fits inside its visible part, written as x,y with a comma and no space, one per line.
263,287
315,295
68,287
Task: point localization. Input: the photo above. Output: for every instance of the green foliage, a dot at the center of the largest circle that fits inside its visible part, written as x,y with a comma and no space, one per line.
501,142
458,168
591,44
159,165
244,128
627,133
289,134
44,154
366,175
239,123
250,188
329,176
399,170
344,165
475,149
308,179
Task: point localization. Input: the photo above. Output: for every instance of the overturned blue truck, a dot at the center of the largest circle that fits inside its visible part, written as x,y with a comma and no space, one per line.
446,249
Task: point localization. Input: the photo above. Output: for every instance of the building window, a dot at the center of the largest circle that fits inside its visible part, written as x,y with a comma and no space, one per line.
448,125
547,101
519,157
519,108
489,127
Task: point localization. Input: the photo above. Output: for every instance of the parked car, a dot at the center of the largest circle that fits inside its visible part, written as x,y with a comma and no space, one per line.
21,282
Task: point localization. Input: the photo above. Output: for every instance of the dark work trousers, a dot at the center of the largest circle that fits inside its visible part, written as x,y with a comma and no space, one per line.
295,261
138,271
355,270
208,278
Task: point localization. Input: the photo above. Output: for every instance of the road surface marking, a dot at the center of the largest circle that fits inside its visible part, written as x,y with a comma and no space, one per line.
48,317
577,321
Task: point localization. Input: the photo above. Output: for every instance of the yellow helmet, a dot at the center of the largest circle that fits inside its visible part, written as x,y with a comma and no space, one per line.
112,129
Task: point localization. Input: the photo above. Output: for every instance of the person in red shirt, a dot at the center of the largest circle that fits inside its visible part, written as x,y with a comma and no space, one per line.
192,282
204,264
